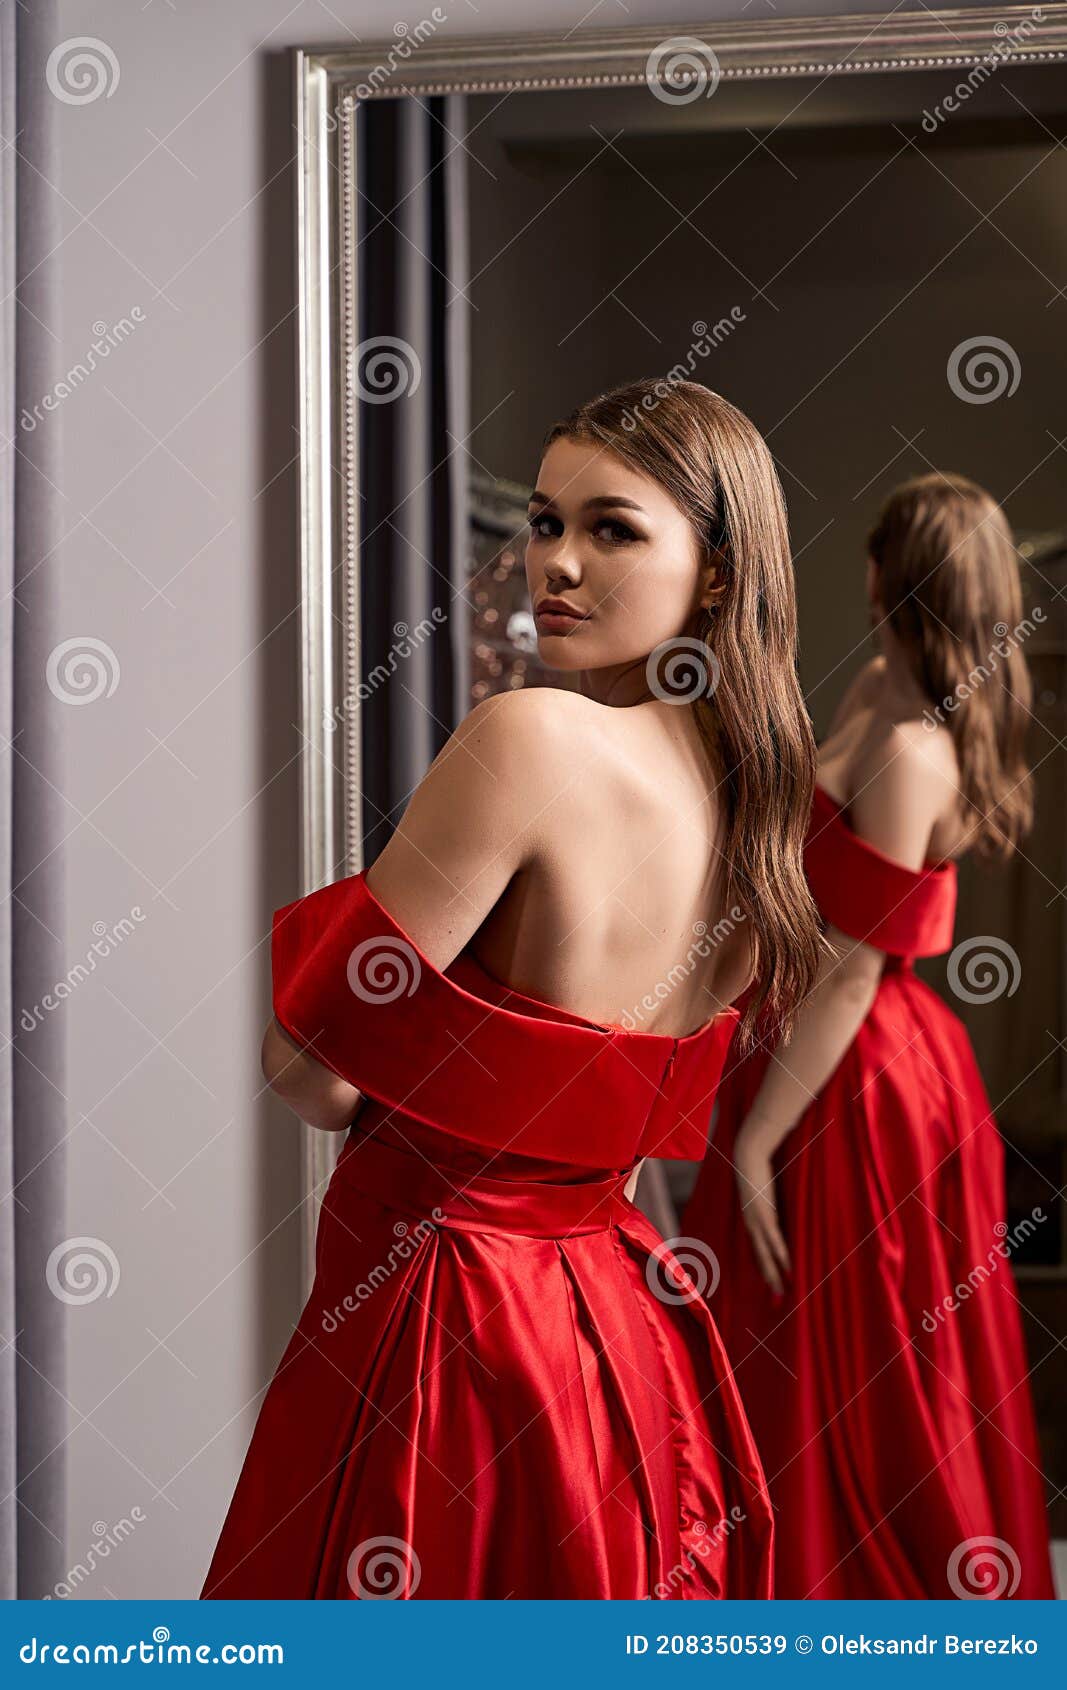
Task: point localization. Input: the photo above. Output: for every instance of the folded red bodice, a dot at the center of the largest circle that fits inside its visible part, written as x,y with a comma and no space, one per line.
465,1053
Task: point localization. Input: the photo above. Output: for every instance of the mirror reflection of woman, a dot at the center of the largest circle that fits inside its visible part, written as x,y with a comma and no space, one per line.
502,1384
855,1179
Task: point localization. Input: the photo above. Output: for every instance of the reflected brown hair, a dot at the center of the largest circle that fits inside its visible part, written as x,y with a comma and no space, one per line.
715,465
949,587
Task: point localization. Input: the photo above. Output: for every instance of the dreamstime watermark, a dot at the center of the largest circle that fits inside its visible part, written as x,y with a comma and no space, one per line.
704,943
107,940
158,1651
383,369
682,69
706,1539
1007,1242
105,1539
984,968
382,969
682,669
82,69
82,669
381,1569
406,641
702,346
983,369
82,1270
1008,37
408,1240
108,336
1007,641
682,1270
984,1569
408,40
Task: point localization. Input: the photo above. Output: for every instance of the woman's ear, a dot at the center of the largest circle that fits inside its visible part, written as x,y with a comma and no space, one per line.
712,583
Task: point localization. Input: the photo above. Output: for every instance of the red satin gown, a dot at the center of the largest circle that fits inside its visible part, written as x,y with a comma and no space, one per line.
892,1414
502,1384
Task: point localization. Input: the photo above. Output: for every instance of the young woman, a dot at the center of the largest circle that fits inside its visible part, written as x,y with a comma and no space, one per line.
855,1178
503,1384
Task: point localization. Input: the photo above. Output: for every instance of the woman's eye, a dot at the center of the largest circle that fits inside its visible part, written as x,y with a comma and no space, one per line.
541,526
619,533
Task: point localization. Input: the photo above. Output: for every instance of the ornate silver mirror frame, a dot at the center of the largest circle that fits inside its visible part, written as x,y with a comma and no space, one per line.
329,86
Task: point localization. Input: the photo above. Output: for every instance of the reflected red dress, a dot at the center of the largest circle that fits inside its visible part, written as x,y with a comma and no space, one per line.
887,1390
502,1384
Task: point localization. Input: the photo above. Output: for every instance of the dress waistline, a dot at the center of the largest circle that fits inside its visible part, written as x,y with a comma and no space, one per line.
448,1198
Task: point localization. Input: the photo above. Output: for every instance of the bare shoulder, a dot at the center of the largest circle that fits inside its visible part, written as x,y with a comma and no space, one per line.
525,717
483,811
904,780
860,693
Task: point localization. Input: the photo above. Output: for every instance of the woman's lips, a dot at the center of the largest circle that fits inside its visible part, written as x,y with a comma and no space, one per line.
558,621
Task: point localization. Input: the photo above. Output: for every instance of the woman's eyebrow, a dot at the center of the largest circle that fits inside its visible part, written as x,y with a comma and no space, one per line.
602,501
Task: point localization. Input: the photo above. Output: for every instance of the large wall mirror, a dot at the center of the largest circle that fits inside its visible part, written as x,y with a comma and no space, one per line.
854,228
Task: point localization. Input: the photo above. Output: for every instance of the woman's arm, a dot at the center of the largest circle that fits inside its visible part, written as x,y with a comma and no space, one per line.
901,790
470,825
314,1092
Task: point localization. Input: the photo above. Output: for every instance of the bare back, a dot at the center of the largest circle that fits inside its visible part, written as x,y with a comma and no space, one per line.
613,908
625,902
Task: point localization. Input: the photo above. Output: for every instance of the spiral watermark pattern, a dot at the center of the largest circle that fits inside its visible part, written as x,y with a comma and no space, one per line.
682,1270
381,969
984,1569
381,1569
82,1270
682,669
384,369
983,369
81,670
984,968
82,69
682,69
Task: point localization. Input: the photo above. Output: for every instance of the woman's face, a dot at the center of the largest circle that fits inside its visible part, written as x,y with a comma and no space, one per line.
614,547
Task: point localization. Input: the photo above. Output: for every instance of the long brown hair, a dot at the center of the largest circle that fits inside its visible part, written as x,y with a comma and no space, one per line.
948,578
716,467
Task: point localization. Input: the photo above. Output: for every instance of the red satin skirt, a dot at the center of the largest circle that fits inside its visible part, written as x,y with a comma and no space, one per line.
491,1393
887,1390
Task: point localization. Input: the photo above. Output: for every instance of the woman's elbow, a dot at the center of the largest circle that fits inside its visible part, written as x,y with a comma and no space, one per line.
281,1059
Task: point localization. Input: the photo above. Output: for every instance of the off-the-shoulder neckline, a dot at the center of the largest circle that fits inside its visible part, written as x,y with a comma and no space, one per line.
931,869
571,1017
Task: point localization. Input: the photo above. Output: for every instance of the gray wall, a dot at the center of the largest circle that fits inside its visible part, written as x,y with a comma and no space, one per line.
177,500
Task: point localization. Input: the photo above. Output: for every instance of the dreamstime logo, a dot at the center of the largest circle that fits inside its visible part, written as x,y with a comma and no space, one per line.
681,70
106,939
384,369
984,1568
105,1538
682,669
408,1239
982,968
999,53
382,1568
703,1541
81,69
704,943
107,337
81,1270
682,1270
1008,1239
1007,641
705,342
81,670
982,369
406,641
381,969
407,40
